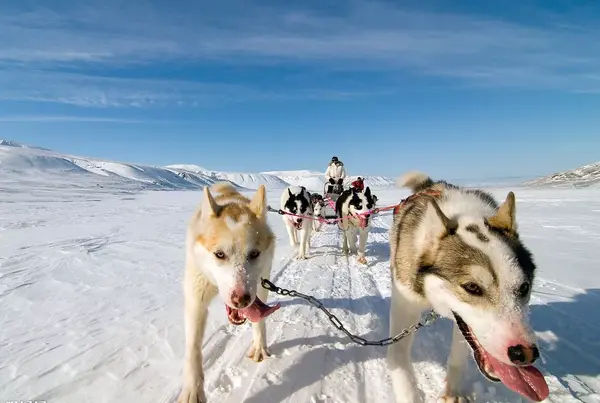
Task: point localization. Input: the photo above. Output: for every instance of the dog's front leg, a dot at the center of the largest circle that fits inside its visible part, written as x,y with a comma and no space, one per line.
402,314
362,243
304,241
459,352
345,242
291,233
258,350
352,233
198,294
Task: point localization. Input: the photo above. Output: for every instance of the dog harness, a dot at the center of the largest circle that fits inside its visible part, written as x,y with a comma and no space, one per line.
413,196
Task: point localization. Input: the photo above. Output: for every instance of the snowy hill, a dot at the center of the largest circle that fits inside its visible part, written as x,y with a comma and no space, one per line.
21,162
9,143
37,167
242,179
587,175
315,181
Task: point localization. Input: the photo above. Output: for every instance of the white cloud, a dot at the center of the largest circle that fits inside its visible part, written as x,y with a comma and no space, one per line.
363,36
63,119
111,92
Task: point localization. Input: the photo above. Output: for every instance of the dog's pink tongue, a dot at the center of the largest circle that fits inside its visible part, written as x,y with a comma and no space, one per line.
527,381
258,310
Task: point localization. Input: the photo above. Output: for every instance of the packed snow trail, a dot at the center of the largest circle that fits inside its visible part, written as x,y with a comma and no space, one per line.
91,308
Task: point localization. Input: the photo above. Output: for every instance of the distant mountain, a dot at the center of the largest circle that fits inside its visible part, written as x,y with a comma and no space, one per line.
315,181
585,176
9,143
35,165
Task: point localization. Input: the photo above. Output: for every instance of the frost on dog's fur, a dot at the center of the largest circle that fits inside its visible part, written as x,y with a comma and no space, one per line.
229,247
458,251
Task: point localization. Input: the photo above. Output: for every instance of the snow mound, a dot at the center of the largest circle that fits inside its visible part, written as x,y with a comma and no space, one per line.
587,175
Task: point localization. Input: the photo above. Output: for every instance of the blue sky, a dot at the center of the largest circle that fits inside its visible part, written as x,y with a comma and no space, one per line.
460,89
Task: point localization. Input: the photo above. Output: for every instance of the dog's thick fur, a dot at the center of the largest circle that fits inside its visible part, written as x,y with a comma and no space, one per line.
457,251
296,200
229,247
352,209
318,212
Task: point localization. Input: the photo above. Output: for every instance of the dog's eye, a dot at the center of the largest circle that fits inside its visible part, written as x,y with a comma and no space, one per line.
524,289
253,254
472,288
220,254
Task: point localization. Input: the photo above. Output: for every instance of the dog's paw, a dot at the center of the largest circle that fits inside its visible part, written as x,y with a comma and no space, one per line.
453,399
345,251
192,395
258,354
362,260
301,257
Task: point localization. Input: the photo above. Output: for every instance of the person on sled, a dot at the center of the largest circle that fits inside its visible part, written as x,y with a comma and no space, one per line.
358,184
335,174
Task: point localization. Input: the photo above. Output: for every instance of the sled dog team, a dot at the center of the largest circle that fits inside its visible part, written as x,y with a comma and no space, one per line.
452,249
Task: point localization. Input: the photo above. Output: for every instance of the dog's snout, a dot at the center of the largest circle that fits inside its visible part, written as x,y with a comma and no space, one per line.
299,220
240,299
521,355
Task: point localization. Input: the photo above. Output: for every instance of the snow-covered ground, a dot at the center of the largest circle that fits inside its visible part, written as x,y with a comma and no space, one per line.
91,304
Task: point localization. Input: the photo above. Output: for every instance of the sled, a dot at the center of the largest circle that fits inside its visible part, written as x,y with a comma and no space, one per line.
330,198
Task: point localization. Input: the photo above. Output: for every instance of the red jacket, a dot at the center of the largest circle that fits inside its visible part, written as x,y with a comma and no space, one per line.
359,185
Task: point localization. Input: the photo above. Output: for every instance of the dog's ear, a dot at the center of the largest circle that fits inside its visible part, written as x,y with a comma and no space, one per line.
505,217
367,191
258,203
449,226
290,192
210,208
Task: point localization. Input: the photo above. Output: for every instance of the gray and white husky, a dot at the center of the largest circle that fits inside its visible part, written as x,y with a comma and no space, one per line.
458,251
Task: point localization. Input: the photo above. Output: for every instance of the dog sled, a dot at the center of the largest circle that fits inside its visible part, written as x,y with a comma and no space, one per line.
330,198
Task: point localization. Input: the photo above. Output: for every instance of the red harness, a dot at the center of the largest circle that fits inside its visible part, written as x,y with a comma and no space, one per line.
403,203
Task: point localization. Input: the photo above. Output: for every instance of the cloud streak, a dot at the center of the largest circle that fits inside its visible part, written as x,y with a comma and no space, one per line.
360,37
66,119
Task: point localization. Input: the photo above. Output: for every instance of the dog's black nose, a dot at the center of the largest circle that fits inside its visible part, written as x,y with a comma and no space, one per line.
299,220
521,355
240,300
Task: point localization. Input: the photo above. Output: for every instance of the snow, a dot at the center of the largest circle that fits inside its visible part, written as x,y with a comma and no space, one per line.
587,175
20,160
91,267
315,181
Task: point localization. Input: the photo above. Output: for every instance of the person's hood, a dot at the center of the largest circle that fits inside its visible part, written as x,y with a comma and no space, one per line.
338,163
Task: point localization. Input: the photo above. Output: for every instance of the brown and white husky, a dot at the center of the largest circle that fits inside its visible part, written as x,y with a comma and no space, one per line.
457,251
229,247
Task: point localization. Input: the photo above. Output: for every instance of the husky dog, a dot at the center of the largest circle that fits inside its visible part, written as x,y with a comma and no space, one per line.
317,204
457,251
295,200
229,247
353,210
